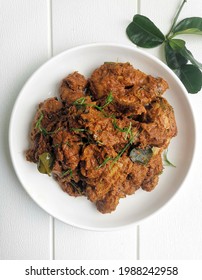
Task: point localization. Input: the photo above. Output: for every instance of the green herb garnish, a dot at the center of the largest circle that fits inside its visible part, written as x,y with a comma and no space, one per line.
141,156
74,185
60,144
39,125
67,172
99,142
127,130
56,145
81,102
121,153
118,127
104,162
144,33
78,129
42,129
108,100
45,163
109,62
67,143
166,161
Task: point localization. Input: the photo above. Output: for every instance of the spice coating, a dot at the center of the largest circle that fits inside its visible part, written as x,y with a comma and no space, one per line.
103,138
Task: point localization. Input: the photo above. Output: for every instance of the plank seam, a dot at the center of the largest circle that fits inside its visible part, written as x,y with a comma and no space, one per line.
138,227
52,238
50,54
50,29
139,6
138,243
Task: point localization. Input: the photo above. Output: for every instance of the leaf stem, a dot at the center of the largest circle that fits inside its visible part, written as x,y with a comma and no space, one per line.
176,18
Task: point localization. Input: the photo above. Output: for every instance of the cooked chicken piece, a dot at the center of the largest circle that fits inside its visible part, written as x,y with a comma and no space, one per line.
73,88
114,77
66,147
154,169
44,124
160,125
131,88
108,131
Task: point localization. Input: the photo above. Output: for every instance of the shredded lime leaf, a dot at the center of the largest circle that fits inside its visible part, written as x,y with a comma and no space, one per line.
104,162
166,161
108,100
67,172
39,125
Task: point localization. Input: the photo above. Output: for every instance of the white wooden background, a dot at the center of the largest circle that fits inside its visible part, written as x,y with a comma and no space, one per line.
32,31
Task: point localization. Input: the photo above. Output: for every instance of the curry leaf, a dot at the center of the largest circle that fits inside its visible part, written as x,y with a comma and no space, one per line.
178,47
177,44
144,33
173,58
191,77
191,25
188,55
45,163
141,156
177,56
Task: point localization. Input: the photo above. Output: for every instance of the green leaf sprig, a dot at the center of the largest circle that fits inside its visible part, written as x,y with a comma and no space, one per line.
104,162
76,187
67,172
81,102
129,134
39,126
127,130
144,33
166,161
108,100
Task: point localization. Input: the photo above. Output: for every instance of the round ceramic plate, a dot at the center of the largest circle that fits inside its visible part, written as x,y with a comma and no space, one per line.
46,192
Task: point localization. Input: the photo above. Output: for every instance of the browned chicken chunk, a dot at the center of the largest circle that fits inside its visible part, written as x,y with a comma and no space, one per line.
73,87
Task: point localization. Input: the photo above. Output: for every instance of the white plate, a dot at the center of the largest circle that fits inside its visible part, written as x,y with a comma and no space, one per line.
45,191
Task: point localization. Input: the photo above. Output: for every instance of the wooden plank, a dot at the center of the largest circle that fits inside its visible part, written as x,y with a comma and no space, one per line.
175,233
82,22
72,243
74,23
24,227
